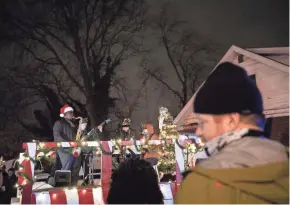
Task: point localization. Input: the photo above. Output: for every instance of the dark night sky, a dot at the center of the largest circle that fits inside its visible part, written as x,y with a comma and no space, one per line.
247,23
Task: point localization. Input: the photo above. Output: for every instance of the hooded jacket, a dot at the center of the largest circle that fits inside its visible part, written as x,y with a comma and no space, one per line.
239,170
256,185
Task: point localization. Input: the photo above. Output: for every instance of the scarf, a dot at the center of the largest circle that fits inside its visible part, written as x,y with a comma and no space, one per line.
215,145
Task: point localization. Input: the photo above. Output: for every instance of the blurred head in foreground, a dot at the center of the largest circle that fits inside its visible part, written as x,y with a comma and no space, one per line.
135,182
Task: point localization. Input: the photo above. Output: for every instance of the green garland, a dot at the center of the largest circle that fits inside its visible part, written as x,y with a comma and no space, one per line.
30,158
118,145
22,174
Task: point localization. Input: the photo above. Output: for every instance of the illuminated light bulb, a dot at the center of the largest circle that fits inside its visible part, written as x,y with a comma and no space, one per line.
84,191
54,196
41,197
74,189
24,183
142,141
73,144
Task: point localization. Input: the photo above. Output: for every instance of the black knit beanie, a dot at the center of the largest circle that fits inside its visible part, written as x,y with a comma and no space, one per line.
228,89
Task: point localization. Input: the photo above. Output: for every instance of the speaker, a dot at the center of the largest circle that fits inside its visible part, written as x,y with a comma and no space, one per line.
62,178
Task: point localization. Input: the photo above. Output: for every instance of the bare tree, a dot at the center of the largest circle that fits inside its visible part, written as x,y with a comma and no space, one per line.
186,53
129,98
79,44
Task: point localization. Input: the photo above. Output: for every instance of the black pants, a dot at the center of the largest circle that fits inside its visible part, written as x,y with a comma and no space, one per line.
55,166
75,170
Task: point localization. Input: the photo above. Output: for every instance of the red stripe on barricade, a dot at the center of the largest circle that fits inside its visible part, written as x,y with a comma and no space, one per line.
178,173
47,145
21,179
73,144
174,188
86,196
106,170
33,199
130,142
27,187
57,197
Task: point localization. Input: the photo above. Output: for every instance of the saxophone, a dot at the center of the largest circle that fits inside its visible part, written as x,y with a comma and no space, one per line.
82,126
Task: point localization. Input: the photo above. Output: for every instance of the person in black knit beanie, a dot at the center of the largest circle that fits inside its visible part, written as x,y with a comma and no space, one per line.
243,167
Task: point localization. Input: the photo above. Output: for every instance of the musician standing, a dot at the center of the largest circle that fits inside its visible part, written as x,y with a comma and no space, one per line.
64,130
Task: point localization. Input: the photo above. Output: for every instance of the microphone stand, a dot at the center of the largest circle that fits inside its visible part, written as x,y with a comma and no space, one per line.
89,179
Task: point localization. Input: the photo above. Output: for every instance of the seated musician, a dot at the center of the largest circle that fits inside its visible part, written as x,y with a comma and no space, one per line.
126,133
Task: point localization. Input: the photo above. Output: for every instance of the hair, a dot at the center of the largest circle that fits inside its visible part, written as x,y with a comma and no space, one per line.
135,182
254,119
251,119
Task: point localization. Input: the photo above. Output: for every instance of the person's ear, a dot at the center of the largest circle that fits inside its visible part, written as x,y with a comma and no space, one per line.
234,120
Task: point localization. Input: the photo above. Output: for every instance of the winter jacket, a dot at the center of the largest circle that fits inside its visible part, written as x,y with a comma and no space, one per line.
63,131
247,170
264,184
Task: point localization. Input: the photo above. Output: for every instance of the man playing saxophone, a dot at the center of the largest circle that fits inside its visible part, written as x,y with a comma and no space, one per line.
64,130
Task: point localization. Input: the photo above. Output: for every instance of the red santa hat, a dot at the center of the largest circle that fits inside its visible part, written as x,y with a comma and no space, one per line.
66,108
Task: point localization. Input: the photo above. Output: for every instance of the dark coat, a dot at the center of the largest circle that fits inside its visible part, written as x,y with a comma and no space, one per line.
63,131
12,183
5,197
